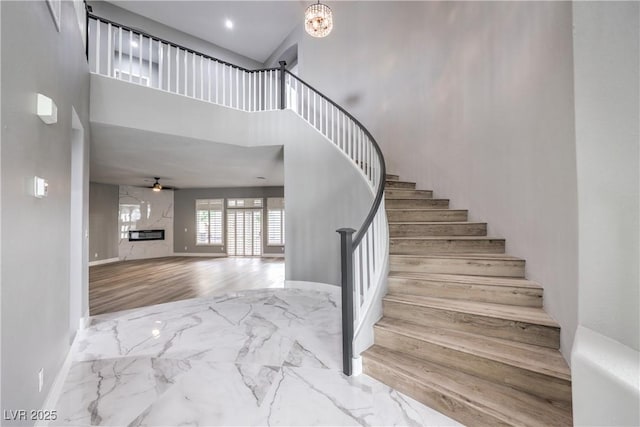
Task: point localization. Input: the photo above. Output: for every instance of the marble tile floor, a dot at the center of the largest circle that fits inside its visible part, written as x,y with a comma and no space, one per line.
267,357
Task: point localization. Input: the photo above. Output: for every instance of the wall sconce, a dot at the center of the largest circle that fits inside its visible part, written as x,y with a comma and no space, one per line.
40,187
46,109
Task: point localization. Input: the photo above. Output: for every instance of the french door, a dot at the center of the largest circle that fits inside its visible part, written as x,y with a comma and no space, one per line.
244,232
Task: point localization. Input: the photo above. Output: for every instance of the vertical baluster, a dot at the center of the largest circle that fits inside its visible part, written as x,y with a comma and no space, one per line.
260,97
177,49
168,67
109,49
374,242
193,74
368,150
244,91
224,91
140,59
360,152
209,78
217,67
186,74
357,283
130,55
160,65
333,124
326,118
369,265
349,140
120,53
314,108
201,78
150,62
238,88
98,46
268,89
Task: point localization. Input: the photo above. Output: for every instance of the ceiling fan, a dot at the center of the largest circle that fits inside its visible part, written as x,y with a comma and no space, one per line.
157,186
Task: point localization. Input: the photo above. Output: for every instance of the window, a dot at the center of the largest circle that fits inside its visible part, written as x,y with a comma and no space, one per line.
209,222
275,221
244,232
244,203
135,78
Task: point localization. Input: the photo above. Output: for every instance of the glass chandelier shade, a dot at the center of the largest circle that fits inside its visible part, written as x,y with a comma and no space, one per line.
318,20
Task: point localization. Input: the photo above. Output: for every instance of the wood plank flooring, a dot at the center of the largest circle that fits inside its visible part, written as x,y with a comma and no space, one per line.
132,284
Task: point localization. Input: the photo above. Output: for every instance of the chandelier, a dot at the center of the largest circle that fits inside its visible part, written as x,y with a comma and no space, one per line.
318,20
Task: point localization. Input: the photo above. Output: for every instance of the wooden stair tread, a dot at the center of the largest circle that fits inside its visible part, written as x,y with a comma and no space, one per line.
498,402
414,198
399,181
435,222
534,358
447,238
423,209
466,279
531,315
480,256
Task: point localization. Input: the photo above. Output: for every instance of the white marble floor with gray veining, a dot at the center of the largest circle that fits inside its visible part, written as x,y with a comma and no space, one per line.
263,357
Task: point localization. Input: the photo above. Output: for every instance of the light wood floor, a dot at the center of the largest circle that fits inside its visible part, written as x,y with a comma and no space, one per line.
132,284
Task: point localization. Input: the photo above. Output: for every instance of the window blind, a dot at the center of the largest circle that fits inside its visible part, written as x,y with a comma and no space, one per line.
275,221
209,225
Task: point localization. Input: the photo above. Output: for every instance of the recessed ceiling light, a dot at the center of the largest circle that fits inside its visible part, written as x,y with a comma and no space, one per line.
134,43
229,24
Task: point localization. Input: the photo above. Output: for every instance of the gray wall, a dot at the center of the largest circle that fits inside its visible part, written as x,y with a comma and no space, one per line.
184,231
130,19
605,371
103,221
35,271
323,192
473,100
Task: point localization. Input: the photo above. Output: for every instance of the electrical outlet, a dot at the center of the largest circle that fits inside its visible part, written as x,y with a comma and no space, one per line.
40,379
95,255
185,229
185,248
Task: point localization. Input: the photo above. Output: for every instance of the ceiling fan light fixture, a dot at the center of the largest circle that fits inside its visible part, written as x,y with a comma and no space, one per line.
318,20
156,185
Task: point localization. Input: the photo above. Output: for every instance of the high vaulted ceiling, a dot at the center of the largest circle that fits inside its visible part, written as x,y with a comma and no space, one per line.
259,27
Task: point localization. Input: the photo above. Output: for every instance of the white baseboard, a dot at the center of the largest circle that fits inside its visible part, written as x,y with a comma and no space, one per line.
312,286
199,254
56,387
356,366
103,261
273,255
604,378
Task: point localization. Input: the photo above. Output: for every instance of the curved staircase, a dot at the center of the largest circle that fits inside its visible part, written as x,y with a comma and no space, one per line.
463,331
